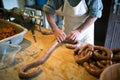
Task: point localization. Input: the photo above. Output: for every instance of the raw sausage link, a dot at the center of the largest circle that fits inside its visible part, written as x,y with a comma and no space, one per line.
94,71
109,54
116,55
23,71
72,45
80,56
97,61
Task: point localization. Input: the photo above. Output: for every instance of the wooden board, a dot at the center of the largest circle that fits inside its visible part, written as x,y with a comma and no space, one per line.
59,66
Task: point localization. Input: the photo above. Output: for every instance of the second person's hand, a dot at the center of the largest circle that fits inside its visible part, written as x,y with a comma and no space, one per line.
60,35
73,36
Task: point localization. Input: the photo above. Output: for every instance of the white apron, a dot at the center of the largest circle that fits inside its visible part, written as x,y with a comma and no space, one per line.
74,17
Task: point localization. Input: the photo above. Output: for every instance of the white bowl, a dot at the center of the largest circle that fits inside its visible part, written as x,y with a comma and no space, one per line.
111,73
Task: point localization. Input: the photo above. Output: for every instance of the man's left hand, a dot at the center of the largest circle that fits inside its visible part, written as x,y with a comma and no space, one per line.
73,36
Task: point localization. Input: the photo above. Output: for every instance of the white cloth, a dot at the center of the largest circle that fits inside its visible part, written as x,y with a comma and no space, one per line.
74,17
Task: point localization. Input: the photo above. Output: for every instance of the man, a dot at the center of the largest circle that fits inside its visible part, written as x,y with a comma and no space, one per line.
79,18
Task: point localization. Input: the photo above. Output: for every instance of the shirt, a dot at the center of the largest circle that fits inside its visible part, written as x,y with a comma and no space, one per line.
95,7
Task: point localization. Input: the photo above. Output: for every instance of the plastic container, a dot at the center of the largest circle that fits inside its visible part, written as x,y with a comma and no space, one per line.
17,38
111,73
7,54
41,2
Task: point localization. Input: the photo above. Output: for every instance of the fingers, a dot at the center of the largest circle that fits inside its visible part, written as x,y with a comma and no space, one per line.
79,49
61,37
73,36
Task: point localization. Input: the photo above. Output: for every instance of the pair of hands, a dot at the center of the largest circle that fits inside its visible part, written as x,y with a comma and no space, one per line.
72,36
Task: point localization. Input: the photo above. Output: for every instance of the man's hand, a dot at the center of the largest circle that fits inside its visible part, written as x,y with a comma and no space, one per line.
60,35
73,36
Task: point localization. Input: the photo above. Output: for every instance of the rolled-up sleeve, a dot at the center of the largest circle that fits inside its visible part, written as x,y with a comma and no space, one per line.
52,5
95,8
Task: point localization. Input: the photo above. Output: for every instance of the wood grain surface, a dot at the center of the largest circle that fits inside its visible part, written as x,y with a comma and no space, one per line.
59,66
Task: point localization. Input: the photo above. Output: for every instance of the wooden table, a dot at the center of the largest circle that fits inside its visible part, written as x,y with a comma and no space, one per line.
59,66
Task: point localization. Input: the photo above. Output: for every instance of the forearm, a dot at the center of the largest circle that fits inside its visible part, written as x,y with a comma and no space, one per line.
59,34
51,21
89,21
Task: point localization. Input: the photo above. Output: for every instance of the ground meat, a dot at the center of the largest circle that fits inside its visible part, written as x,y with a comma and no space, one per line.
7,31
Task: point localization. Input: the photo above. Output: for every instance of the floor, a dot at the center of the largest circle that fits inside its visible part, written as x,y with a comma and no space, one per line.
59,66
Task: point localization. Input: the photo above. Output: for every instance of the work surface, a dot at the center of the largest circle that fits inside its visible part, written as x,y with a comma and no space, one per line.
59,66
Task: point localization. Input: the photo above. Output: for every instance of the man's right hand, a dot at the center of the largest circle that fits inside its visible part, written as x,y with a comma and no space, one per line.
60,35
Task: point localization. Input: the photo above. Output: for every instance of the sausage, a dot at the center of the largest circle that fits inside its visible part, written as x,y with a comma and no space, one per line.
83,53
109,54
92,65
71,46
116,57
100,58
93,71
116,50
116,54
87,46
83,59
23,71
101,65
23,74
103,62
